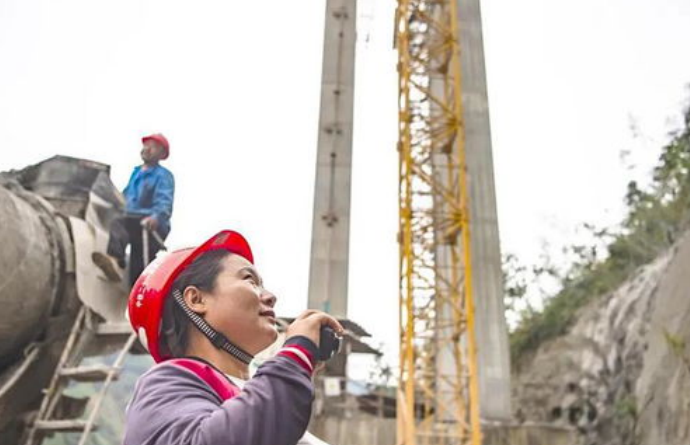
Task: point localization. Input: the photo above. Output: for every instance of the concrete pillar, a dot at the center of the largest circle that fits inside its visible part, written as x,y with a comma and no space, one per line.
331,224
491,329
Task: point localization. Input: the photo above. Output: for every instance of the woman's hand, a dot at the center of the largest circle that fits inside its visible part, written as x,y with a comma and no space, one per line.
309,325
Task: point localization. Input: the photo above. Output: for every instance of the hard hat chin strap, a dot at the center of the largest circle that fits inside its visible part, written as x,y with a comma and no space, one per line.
219,340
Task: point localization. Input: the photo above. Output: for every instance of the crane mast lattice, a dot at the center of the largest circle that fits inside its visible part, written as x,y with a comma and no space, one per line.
438,401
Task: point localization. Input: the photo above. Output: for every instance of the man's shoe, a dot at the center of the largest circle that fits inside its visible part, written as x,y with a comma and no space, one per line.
108,265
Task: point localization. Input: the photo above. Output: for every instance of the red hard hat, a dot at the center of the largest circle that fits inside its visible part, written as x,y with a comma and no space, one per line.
147,298
161,140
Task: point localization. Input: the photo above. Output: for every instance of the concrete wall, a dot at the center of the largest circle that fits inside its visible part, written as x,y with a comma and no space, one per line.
529,435
360,429
363,429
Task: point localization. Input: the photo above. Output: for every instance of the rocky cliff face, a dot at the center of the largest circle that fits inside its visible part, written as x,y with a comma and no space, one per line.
621,375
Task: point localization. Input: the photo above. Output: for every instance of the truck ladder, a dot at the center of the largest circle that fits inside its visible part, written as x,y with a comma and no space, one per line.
87,331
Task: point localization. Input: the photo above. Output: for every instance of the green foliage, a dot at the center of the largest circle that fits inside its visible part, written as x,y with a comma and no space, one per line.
677,345
626,407
655,219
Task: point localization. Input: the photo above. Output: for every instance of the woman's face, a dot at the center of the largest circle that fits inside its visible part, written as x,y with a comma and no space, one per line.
240,308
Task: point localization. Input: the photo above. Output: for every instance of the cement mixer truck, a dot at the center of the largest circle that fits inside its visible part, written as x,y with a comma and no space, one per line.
55,305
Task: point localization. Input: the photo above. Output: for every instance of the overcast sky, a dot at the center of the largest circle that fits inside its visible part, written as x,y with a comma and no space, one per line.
235,88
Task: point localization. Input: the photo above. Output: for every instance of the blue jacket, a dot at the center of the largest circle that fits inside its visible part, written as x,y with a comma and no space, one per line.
150,192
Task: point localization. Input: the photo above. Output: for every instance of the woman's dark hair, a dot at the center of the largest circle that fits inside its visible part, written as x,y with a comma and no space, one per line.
202,273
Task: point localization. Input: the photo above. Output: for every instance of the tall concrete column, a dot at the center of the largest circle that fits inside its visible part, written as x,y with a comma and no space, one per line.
331,224
493,354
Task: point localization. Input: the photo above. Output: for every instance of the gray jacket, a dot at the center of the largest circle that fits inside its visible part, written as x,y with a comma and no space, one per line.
173,406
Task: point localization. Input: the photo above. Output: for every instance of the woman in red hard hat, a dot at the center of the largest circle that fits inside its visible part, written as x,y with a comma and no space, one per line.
203,313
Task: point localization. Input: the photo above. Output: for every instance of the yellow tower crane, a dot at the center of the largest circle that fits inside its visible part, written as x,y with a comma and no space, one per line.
438,398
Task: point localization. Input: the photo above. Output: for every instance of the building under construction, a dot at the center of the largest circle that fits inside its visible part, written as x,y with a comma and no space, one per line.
450,278
454,372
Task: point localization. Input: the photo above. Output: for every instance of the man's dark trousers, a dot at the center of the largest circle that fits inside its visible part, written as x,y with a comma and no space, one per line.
127,230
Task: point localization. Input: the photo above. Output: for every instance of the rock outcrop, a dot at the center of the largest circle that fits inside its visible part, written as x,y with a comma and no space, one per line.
621,375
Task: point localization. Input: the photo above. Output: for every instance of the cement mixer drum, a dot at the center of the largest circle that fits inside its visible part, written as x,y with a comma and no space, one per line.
29,269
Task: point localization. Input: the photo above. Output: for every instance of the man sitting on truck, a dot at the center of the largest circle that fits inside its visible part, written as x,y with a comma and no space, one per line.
149,204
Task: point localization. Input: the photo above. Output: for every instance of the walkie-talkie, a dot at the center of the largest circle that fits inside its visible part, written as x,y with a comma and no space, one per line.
329,344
